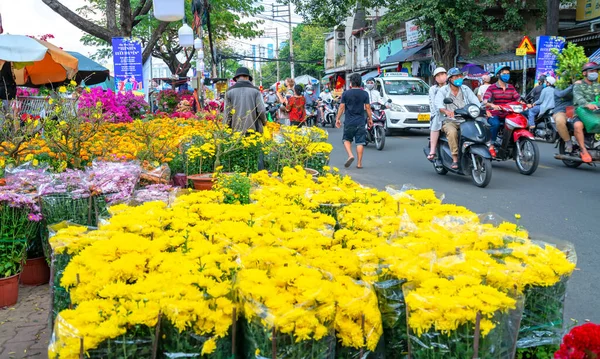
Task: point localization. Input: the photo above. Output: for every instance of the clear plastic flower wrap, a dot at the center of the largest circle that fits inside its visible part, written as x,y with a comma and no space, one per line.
543,317
155,175
71,241
68,340
116,180
483,324
174,344
26,178
155,192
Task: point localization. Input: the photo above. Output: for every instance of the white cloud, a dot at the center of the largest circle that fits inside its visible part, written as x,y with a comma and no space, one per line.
33,17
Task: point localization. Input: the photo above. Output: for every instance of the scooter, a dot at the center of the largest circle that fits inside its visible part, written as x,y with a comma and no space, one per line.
271,109
474,157
573,159
311,115
545,128
376,133
515,141
329,113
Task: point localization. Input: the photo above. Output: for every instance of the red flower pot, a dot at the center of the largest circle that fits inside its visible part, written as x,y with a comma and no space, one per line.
203,181
9,291
35,272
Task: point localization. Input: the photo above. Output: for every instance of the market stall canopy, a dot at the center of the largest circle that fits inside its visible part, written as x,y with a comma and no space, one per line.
89,71
595,56
35,61
491,62
306,80
369,75
404,54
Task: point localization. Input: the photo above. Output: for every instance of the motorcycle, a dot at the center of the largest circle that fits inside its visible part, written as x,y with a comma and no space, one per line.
311,115
376,133
271,109
573,159
515,141
474,157
329,113
545,128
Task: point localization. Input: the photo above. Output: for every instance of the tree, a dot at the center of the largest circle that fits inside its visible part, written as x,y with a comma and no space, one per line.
120,19
159,38
309,52
444,21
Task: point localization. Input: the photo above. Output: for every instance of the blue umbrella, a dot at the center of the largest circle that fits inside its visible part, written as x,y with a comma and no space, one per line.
473,70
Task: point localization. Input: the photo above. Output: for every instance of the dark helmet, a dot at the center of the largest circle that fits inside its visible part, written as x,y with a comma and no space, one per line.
542,79
454,72
590,66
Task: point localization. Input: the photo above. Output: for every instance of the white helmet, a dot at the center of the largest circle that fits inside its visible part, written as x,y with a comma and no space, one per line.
439,70
308,87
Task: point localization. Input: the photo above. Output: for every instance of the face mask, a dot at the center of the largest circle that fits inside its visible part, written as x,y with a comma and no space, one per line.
370,86
544,85
270,92
505,77
326,91
458,82
309,92
592,76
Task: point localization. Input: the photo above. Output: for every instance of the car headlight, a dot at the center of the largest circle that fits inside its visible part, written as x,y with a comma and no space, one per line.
397,107
473,111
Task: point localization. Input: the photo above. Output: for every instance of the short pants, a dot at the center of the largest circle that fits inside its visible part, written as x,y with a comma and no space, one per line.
358,134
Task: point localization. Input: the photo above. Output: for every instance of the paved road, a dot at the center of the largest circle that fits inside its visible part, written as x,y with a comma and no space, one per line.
555,201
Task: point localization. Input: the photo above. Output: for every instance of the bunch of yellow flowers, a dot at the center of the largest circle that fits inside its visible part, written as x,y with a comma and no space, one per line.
280,262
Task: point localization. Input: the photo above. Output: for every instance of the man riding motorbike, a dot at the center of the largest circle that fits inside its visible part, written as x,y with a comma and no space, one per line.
499,93
544,103
372,91
461,96
584,95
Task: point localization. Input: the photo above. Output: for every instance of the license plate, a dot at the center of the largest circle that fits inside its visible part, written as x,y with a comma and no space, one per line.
423,117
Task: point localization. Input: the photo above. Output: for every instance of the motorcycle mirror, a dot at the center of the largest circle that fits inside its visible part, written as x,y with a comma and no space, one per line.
389,100
448,100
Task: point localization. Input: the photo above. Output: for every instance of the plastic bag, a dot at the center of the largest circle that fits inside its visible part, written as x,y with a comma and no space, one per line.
590,118
187,344
26,178
493,337
393,317
116,180
543,316
155,192
158,175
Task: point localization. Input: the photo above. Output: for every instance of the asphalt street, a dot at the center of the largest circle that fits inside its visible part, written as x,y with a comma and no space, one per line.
555,201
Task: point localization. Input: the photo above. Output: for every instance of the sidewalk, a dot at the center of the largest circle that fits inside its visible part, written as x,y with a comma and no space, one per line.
24,329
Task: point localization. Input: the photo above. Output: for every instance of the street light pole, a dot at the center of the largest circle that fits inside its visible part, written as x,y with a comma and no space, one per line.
291,40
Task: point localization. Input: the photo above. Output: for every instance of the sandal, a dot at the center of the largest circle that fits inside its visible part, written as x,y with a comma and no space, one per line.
454,165
585,157
349,162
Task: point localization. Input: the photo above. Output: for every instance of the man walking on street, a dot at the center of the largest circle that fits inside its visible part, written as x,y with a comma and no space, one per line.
244,106
355,102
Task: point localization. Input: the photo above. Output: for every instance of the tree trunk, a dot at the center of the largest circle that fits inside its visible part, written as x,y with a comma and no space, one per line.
443,51
126,18
83,24
111,15
552,17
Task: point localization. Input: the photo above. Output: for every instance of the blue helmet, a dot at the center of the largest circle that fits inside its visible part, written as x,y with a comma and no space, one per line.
500,68
454,72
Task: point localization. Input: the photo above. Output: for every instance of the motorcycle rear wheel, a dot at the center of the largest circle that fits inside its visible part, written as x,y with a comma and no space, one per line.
561,150
379,134
531,150
481,174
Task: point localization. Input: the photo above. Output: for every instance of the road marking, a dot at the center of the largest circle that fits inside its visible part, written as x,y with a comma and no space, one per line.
545,167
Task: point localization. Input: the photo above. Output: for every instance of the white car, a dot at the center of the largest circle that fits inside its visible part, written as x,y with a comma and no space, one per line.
410,100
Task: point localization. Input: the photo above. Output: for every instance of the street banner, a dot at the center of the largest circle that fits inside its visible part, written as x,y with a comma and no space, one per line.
413,33
546,61
129,69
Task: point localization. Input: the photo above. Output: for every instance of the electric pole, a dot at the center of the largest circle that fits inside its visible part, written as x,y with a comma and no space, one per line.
291,40
277,51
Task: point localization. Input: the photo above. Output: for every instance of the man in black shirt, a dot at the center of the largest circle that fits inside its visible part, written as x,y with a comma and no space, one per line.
355,102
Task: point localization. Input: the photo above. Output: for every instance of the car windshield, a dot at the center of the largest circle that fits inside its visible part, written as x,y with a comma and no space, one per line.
405,87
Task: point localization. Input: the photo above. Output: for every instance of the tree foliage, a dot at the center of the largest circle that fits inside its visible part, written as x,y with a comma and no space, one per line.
158,38
570,62
309,52
443,21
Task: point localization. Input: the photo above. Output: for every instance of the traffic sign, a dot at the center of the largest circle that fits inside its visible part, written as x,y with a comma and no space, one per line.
527,46
521,52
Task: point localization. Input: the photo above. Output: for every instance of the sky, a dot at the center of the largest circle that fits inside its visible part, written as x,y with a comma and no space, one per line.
33,17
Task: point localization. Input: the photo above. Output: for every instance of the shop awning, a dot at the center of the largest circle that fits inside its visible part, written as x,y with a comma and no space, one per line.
595,56
327,77
403,54
368,75
491,62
